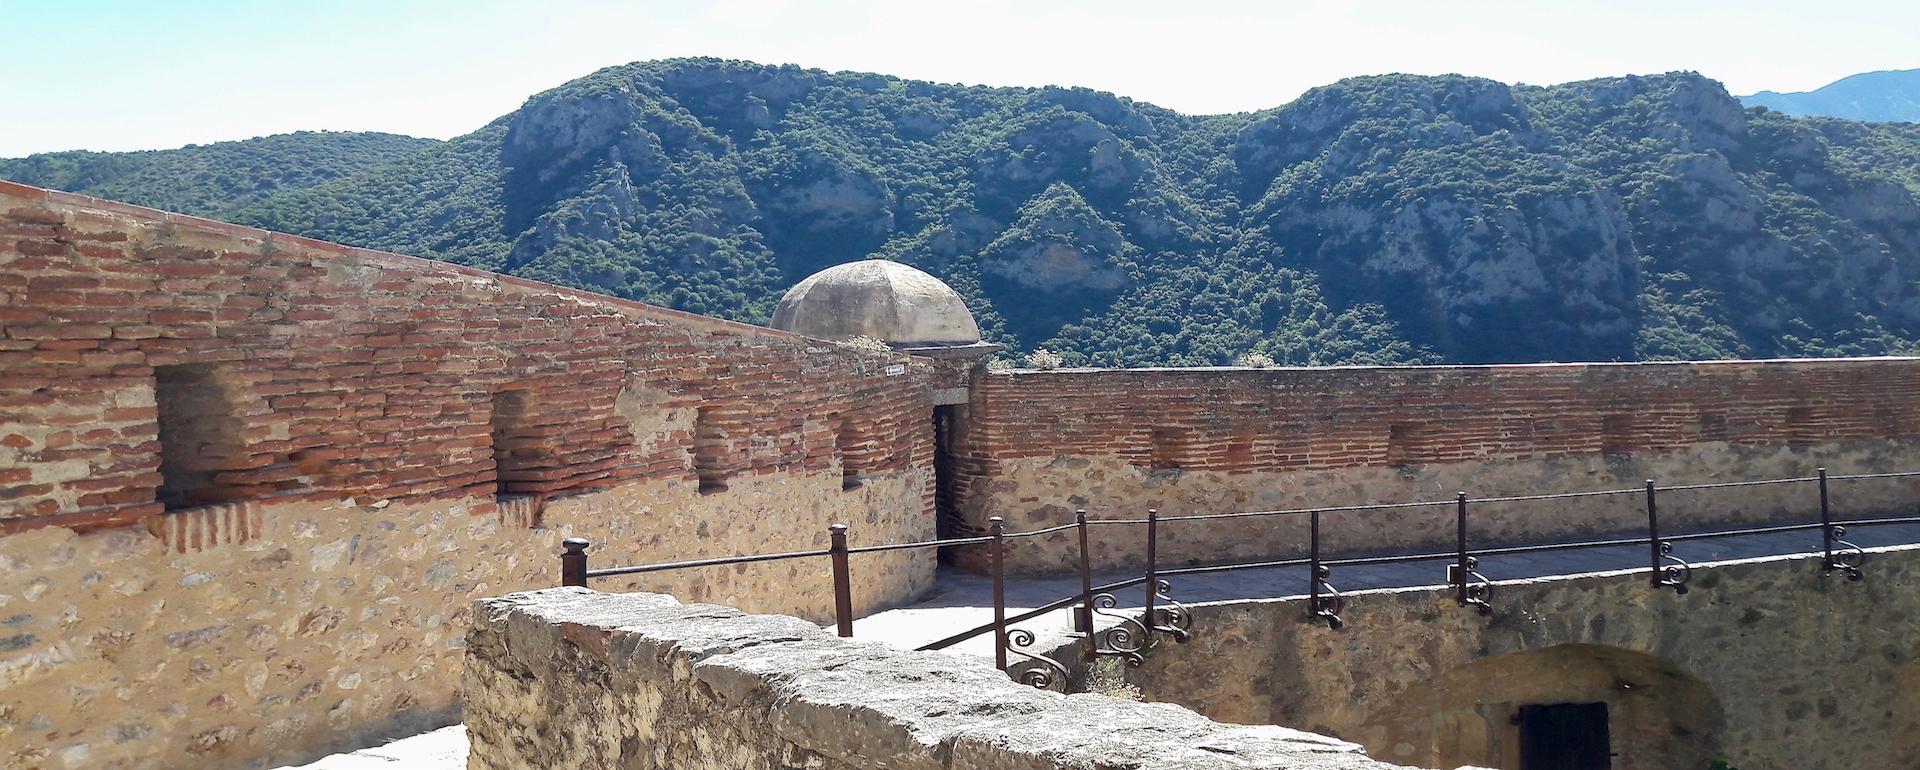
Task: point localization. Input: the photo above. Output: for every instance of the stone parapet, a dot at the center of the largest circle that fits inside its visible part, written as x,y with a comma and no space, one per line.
570,678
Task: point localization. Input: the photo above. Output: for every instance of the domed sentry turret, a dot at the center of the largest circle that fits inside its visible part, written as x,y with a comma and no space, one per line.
877,298
909,310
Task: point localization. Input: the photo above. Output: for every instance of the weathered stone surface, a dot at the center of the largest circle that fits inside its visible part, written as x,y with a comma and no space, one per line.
250,482
571,678
338,625
1766,661
877,298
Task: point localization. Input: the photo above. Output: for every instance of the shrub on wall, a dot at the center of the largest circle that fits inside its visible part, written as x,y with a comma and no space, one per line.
870,344
1255,360
1043,358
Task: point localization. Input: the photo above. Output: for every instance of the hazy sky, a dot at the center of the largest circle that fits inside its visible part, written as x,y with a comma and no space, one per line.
138,74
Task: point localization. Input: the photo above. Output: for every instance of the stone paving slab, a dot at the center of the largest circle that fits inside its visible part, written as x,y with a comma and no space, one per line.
442,749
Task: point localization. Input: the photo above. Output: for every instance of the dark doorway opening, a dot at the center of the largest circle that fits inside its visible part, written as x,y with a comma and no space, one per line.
1565,736
947,523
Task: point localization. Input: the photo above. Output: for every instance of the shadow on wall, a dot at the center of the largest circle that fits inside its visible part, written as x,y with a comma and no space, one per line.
1655,715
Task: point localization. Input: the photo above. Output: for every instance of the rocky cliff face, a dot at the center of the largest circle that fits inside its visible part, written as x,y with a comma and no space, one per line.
1381,219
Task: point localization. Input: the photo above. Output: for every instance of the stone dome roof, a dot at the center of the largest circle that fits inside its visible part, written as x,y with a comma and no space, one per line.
877,298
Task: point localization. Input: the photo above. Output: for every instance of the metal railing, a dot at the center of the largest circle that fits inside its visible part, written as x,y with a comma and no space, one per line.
1130,635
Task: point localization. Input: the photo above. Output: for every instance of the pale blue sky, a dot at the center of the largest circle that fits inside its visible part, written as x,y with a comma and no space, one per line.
136,74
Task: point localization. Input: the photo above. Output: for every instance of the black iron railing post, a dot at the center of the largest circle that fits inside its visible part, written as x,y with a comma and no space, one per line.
1472,588
1850,557
1653,535
1461,568
996,527
842,579
1674,573
1826,525
1324,602
573,561
1083,617
1153,569
1313,565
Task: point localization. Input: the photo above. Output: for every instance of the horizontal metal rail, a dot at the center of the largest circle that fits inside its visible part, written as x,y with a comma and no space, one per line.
719,562
919,545
1131,635
1404,558
1043,609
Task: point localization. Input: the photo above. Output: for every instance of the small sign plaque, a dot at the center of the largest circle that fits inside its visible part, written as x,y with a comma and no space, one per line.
896,370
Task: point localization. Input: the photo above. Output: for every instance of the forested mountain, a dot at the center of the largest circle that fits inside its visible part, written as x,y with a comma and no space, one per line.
1892,96
1376,220
213,180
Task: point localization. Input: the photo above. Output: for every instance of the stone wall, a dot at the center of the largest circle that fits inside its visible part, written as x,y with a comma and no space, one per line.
1767,662
1036,446
569,678
249,482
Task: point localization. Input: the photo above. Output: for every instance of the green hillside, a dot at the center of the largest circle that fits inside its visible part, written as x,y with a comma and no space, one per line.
213,180
1376,220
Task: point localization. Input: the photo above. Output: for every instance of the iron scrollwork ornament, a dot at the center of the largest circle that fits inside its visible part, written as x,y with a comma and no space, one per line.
1038,671
1175,619
1128,637
1328,602
1676,573
1477,590
1846,557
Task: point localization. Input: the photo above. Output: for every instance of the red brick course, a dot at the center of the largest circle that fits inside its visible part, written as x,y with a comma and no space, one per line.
1278,420
370,375
1329,418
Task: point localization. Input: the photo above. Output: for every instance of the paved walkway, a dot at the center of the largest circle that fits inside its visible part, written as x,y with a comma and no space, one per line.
961,600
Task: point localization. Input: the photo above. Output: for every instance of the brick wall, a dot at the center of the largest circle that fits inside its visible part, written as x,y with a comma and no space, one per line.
1038,445
348,373
250,483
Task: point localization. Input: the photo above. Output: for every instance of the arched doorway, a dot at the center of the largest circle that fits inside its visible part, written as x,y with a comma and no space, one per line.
1551,708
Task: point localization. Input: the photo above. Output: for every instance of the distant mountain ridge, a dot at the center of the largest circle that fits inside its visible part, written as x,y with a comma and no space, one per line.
1389,219
214,180
1885,97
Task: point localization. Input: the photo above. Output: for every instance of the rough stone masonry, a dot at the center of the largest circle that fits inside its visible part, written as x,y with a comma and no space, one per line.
250,483
568,678
1770,663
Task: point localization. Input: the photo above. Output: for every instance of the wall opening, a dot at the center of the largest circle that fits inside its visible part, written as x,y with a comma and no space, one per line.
1240,452
852,451
1801,428
517,459
1616,434
1167,449
511,456
1406,443
201,434
1595,702
709,450
1713,426
947,523
1564,736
